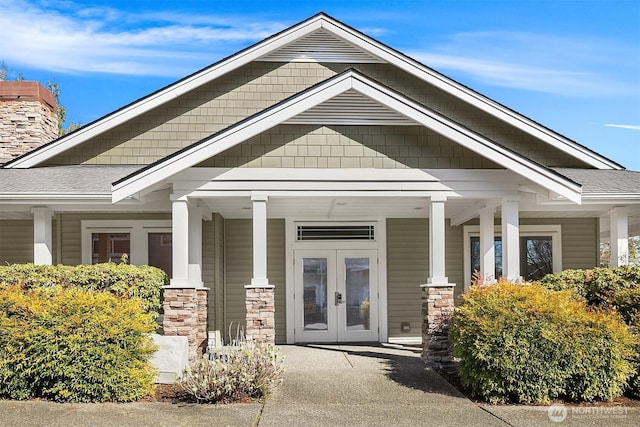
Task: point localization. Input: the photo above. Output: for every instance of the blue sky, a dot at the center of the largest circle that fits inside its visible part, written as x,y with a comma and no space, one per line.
571,65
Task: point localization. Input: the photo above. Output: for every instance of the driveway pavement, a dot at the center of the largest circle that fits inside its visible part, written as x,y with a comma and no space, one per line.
327,385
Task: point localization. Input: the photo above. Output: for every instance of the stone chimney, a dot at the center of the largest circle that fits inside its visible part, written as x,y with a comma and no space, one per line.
27,118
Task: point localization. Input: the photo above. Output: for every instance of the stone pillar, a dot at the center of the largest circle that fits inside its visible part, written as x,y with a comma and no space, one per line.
437,312
185,314
261,310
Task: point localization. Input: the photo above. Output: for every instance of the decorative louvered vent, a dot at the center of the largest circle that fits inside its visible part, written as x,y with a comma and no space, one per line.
351,108
336,232
321,46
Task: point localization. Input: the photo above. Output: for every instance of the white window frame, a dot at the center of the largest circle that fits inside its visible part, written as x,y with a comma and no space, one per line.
555,231
138,236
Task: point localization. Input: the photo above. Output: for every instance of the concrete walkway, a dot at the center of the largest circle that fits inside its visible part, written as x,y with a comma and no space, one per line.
326,385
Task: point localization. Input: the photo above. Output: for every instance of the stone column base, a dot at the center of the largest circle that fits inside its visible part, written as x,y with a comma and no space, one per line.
185,314
260,304
437,312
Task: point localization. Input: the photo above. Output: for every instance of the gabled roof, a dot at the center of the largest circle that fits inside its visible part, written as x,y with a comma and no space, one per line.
319,38
313,98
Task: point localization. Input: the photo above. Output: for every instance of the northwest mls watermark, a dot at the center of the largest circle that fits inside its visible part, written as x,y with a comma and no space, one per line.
559,412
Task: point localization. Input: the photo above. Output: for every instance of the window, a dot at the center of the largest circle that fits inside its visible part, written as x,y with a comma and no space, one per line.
335,232
109,247
144,241
540,251
160,251
536,256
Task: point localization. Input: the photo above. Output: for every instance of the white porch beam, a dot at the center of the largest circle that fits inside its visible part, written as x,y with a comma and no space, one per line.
510,238
487,245
619,226
42,247
437,242
259,279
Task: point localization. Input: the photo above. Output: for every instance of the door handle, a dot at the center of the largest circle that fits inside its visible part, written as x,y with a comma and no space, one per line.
338,298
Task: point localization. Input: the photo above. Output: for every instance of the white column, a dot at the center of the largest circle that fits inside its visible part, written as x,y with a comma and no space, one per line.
42,248
437,242
259,278
510,238
180,242
195,247
619,225
487,245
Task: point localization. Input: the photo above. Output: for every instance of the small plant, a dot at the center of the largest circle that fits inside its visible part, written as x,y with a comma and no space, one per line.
242,370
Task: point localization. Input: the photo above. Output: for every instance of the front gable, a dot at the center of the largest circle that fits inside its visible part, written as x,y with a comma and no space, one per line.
281,66
325,92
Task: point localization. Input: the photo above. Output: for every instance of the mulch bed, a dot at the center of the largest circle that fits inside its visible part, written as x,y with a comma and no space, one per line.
172,393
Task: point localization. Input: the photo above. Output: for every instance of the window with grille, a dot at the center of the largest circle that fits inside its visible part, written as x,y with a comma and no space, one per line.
335,232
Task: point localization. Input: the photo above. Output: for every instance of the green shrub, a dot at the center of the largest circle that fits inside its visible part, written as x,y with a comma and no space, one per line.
243,370
609,288
529,344
70,344
143,282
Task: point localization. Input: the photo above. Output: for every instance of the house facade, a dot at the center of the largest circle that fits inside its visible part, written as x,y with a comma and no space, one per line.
312,186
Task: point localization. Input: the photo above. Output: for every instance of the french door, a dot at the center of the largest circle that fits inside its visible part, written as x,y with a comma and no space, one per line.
336,295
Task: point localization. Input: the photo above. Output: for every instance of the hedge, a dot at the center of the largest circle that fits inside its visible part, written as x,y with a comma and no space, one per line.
616,288
528,344
71,344
143,282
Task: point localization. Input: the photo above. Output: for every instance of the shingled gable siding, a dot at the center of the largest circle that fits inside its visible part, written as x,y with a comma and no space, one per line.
238,270
408,268
259,85
389,147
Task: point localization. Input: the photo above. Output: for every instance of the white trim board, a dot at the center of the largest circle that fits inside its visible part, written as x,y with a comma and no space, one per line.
262,49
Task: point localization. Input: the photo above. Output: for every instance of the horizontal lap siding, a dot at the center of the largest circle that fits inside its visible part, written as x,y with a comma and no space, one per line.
239,269
407,269
16,241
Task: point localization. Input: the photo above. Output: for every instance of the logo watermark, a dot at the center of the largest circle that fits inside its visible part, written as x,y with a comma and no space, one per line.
559,412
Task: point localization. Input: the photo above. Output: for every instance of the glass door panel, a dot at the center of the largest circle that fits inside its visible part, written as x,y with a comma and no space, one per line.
357,293
314,285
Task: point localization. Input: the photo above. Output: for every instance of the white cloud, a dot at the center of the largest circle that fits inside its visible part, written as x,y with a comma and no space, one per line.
632,127
569,66
67,37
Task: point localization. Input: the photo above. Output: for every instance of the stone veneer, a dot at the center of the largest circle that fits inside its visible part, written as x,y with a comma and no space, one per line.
27,118
260,304
185,314
437,312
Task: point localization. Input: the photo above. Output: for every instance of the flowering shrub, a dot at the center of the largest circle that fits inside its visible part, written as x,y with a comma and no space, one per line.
242,370
529,344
